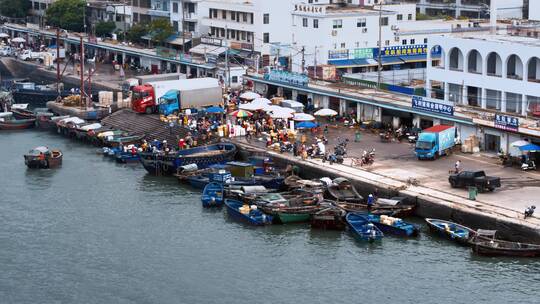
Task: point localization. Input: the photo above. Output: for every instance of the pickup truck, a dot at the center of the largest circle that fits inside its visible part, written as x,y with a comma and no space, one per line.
474,178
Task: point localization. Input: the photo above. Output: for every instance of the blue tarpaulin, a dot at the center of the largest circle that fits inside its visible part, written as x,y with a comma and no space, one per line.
530,148
215,110
306,125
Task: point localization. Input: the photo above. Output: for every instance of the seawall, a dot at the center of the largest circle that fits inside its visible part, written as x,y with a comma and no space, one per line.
430,202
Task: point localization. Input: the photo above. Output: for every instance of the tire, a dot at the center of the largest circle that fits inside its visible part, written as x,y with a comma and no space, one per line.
436,155
148,110
453,184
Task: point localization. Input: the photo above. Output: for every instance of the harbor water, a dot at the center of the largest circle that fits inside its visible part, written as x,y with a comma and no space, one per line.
94,231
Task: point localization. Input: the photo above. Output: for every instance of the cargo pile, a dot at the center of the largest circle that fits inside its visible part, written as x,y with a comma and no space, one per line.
72,101
471,145
390,221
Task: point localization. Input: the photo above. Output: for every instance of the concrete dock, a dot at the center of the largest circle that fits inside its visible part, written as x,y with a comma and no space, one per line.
431,201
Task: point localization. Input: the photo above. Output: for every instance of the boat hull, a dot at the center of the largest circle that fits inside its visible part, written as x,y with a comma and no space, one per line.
233,211
359,227
33,162
17,124
289,218
462,240
481,249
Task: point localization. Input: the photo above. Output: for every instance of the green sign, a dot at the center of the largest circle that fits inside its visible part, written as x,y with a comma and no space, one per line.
365,53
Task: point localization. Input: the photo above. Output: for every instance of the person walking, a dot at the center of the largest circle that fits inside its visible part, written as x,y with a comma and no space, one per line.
457,166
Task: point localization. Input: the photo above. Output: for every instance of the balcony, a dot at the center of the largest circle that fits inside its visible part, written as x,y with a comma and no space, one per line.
159,13
190,17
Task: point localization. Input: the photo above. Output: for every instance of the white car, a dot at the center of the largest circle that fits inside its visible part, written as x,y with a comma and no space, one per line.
30,55
6,51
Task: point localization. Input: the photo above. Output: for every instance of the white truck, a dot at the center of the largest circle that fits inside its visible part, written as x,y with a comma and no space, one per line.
28,55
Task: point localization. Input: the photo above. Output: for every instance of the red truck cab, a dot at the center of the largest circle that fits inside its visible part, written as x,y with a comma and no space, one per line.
143,99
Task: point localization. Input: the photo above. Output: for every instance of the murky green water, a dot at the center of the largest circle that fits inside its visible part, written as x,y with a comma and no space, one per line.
95,231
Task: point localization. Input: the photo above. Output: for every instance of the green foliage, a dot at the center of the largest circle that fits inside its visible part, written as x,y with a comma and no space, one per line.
135,33
105,28
67,14
14,8
161,29
420,16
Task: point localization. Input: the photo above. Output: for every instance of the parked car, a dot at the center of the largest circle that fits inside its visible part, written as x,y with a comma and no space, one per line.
477,179
6,51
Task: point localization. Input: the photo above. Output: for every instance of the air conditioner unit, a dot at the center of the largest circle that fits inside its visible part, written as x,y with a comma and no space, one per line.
334,33
364,30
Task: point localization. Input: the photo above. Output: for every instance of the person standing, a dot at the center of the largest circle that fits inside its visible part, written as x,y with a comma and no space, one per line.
457,166
370,202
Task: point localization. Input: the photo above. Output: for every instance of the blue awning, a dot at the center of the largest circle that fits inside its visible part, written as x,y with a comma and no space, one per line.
391,60
414,58
530,148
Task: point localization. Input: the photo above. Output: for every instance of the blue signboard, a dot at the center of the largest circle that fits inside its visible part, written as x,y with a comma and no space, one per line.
287,77
338,54
421,103
507,123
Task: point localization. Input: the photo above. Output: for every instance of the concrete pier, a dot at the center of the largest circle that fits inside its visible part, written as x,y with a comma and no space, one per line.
430,202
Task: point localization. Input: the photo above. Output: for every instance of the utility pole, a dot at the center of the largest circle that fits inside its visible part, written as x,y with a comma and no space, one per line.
83,97
58,61
379,66
315,64
183,27
303,59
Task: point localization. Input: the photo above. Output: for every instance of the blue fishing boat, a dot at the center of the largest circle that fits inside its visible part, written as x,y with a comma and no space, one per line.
161,163
246,213
362,228
392,225
268,181
453,231
213,195
126,157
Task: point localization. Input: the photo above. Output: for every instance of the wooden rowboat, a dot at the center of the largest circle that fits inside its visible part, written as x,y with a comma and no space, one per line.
452,231
362,229
43,158
17,124
485,243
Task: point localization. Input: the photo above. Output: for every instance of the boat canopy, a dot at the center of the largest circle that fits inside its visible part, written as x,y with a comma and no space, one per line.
75,120
20,106
39,150
91,127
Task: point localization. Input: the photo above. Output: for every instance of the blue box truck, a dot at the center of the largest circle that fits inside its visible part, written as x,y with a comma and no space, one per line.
435,141
190,94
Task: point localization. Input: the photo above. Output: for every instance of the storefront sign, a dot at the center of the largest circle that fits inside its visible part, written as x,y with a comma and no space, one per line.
287,77
404,50
338,54
212,41
364,53
424,104
507,123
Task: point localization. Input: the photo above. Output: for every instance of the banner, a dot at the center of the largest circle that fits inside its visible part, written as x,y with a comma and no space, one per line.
424,104
507,123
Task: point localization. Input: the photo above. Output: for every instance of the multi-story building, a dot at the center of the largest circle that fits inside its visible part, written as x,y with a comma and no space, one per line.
186,16
496,75
37,10
469,8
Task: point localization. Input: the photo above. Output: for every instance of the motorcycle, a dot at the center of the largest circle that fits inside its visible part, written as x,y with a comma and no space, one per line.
368,158
528,165
286,147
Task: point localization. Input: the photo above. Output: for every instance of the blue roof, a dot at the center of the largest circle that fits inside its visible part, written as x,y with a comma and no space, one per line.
420,57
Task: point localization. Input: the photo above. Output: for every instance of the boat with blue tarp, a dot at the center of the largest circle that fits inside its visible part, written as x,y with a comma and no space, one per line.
362,229
392,225
249,214
161,163
452,231
213,195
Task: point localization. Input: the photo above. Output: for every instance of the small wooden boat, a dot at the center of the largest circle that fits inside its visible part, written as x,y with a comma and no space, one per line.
121,140
342,190
453,231
392,225
485,243
291,207
295,182
362,229
329,218
43,158
249,214
126,157
213,195
397,211
20,113
8,122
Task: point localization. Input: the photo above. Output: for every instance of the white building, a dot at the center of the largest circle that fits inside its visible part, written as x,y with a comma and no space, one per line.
534,10
249,25
491,75
186,16
470,8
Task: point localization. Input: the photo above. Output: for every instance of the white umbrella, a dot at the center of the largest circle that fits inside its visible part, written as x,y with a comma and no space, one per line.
273,108
249,95
325,112
18,39
3,35
520,143
251,106
281,114
293,103
262,100
303,117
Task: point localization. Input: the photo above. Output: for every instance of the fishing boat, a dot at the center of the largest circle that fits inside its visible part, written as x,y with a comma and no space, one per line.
126,157
392,225
249,214
122,140
268,181
204,156
8,122
295,182
341,189
362,228
485,243
329,218
294,207
396,211
453,231
20,113
43,158
213,195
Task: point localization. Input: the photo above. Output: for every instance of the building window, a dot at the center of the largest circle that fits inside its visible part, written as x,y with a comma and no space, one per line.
266,18
233,16
244,35
361,22
404,41
223,14
384,21
215,13
357,44
338,23
135,17
409,17
234,79
175,7
343,45
304,22
387,42
315,23
425,40
266,38
244,17
413,41
399,17
233,34
175,25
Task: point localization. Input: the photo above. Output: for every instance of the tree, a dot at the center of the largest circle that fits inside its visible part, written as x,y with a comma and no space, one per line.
135,33
105,28
67,14
161,29
14,8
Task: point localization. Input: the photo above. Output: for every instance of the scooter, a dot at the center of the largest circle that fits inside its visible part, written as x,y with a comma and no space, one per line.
528,165
529,211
